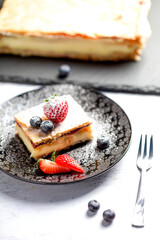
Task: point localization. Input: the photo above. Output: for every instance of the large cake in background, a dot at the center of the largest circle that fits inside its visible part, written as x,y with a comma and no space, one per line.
78,29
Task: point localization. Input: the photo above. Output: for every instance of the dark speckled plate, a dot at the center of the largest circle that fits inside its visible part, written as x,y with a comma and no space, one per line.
108,119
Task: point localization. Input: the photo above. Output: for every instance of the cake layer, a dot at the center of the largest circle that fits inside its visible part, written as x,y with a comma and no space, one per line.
59,144
79,48
85,29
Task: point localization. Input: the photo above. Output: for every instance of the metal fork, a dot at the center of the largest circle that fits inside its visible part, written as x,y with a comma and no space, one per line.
143,164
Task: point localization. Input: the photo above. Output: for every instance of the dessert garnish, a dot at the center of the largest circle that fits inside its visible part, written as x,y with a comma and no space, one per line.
109,215
35,121
47,126
68,161
93,205
64,71
50,167
59,164
56,108
103,142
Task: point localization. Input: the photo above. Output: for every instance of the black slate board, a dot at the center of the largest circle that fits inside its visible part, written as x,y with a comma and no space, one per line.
136,77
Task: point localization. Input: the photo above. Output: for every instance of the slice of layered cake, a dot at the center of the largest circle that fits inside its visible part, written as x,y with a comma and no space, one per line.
61,131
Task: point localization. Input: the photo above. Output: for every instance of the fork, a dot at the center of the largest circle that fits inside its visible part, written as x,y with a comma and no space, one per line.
143,163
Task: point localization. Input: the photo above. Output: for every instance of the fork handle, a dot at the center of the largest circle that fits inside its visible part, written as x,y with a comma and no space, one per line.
138,215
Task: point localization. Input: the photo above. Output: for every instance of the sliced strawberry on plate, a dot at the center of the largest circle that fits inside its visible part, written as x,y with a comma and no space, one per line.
51,167
67,161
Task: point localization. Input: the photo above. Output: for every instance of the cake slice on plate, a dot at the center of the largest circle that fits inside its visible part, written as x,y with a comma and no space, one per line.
75,128
84,29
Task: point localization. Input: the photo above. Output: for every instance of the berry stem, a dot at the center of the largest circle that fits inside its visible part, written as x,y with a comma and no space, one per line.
54,156
55,94
47,100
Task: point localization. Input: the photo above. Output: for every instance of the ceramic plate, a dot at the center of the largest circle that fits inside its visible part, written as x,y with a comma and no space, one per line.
108,119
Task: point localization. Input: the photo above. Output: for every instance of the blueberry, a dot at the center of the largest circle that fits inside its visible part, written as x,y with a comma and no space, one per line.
64,70
93,205
109,215
47,126
102,142
35,121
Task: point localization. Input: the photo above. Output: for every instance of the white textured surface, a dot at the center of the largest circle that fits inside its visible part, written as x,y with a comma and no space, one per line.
39,212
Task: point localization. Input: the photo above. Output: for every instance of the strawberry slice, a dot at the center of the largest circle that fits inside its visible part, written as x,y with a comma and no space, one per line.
68,161
50,167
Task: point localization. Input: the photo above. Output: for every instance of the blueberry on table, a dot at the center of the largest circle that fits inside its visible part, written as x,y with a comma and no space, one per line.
35,121
102,143
93,206
64,71
109,215
47,126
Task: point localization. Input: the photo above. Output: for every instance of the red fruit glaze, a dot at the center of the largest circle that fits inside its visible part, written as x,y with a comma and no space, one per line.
56,109
68,161
50,167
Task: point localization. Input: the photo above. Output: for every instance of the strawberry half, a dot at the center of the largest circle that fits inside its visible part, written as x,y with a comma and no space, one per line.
68,161
50,167
56,109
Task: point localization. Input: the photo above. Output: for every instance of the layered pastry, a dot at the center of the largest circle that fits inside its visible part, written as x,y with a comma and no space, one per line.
84,29
75,128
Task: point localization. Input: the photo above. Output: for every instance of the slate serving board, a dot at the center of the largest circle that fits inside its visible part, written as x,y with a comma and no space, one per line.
134,77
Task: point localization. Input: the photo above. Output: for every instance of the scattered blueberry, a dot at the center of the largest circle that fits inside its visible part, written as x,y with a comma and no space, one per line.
93,205
102,142
35,121
47,126
64,71
109,215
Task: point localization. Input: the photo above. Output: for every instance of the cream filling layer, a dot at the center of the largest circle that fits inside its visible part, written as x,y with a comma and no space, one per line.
59,144
66,46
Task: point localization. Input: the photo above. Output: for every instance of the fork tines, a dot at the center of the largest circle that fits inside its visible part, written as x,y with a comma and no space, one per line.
145,147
